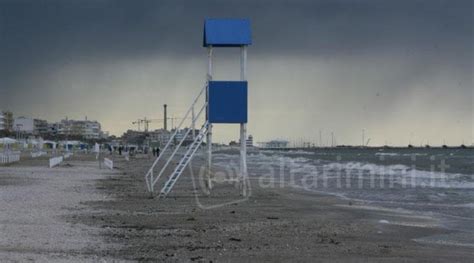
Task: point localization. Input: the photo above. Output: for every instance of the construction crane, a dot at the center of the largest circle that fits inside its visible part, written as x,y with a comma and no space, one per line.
146,123
137,123
162,120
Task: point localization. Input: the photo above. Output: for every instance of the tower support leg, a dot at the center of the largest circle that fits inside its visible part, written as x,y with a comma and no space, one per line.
209,134
209,157
243,158
243,127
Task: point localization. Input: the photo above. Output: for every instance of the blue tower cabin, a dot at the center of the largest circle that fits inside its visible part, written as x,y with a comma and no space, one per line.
227,33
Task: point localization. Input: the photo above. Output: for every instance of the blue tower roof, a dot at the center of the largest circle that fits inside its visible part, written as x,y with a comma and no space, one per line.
227,32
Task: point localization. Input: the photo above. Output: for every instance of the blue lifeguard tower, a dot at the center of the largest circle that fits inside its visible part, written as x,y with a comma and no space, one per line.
225,102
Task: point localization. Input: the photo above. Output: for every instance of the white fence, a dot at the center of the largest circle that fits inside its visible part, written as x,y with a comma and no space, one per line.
109,163
67,155
55,161
37,154
9,157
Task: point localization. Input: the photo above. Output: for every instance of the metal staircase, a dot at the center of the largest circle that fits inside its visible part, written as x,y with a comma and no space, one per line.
184,161
150,179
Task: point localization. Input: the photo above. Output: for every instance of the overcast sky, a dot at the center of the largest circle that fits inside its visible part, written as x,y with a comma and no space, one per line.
402,70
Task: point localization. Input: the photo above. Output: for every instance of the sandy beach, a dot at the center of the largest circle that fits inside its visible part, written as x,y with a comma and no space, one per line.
78,212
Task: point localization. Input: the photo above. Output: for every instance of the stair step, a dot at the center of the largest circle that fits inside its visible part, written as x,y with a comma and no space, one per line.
186,157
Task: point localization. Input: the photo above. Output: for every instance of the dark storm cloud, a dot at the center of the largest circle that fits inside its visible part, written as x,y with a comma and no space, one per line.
38,33
35,31
410,41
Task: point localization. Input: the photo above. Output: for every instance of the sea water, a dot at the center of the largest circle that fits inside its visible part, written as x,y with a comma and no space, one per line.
433,182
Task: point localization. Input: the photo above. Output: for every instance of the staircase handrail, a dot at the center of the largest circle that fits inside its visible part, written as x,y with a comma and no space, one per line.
183,162
150,171
153,182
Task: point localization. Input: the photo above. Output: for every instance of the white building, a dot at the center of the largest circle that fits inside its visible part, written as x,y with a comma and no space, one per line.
24,124
92,130
2,121
30,125
85,128
159,136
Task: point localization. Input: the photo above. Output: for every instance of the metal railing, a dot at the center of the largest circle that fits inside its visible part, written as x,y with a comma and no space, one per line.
9,157
150,181
185,160
174,152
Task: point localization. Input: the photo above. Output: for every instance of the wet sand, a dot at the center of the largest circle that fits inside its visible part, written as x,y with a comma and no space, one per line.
119,221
